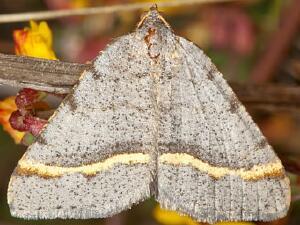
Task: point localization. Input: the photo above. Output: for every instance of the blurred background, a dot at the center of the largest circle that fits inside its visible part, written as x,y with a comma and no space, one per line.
250,41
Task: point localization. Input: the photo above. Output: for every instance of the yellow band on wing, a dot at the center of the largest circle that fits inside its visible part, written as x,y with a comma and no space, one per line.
257,172
273,169
34,168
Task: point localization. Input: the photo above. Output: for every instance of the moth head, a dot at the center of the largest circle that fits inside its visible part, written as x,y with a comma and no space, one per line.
153,18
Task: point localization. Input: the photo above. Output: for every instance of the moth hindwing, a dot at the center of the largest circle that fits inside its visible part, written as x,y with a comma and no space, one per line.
153,116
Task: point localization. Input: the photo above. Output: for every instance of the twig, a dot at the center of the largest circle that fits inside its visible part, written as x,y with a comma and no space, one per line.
41,74
291,164
295,198
18,17
59,77
277,48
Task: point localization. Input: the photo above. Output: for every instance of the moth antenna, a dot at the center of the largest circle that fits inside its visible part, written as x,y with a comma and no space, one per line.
154,14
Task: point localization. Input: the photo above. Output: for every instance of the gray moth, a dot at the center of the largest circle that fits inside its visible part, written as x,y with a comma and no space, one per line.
151,117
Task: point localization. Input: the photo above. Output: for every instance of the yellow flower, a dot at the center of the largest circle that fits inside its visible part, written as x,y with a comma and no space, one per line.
34,41
7,106
167,217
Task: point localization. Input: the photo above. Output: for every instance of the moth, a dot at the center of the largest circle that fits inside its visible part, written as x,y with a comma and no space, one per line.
152,116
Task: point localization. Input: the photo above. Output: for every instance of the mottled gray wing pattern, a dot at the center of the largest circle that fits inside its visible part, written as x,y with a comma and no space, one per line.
93,158
151,116
214,164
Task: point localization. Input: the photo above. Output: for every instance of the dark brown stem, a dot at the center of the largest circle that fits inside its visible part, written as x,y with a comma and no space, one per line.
41,74
59,77
278,46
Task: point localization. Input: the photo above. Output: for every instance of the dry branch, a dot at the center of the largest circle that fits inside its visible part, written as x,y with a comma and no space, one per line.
59,77
18,17
41,74
278,45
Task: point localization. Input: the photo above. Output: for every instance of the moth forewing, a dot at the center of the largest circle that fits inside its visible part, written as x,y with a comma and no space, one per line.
152,116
